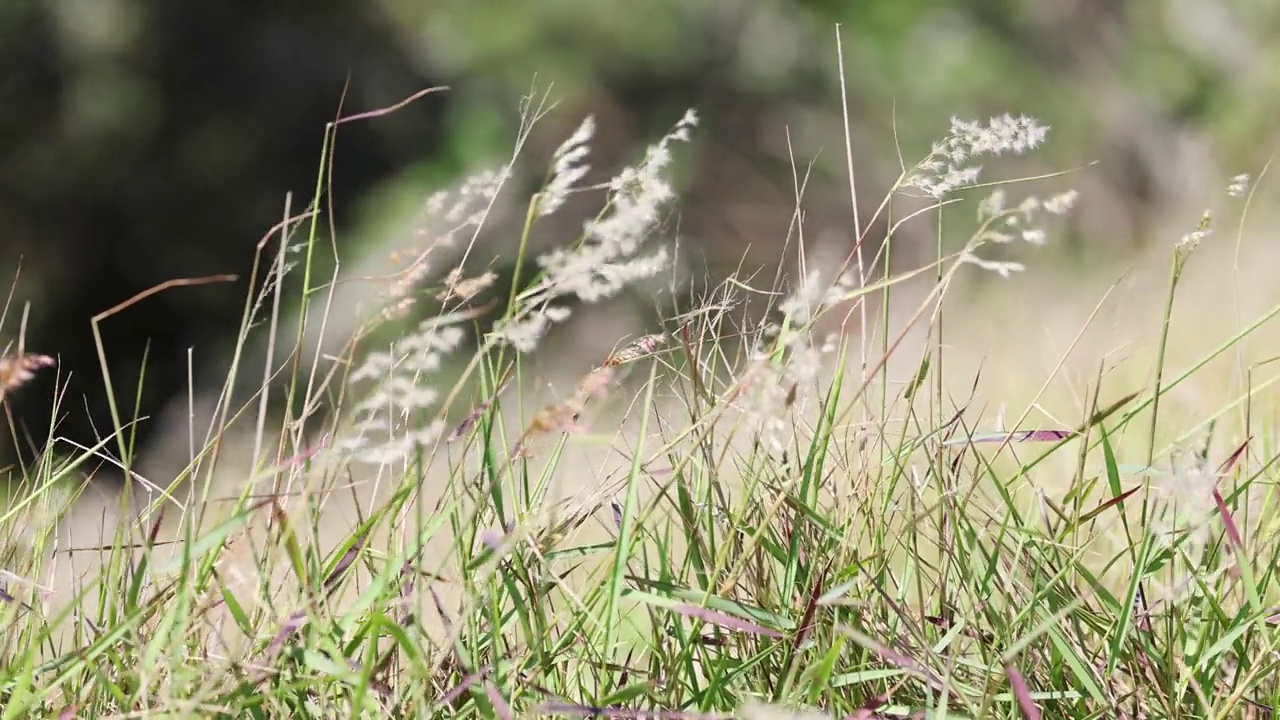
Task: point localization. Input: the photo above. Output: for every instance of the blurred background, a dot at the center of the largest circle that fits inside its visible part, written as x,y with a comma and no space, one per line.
143,141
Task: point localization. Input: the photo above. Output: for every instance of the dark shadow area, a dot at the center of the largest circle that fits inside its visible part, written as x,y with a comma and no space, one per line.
167,154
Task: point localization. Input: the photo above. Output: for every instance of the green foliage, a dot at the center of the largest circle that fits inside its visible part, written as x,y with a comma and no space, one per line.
774,525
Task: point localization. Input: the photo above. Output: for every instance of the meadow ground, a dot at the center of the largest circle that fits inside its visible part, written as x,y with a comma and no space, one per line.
925,491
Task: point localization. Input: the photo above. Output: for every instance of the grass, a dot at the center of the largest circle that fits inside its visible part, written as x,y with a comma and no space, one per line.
733,517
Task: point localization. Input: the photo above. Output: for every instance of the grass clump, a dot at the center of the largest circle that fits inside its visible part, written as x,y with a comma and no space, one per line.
730,517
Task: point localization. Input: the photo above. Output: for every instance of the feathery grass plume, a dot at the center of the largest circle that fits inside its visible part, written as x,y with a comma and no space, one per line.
1061,203
564,416
604,261
1239,185
1189,242
1184,504
525,333
945,169
569,166
470,202
445,216
1183,521
1001,224
391,410
780,375
638,349
399,390
17,370
810,299
598,267
463,289
547,612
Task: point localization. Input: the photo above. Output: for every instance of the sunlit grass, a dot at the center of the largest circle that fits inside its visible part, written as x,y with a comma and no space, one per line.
724,518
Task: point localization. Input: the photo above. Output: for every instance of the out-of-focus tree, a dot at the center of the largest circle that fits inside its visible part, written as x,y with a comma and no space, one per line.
1158,93
146,141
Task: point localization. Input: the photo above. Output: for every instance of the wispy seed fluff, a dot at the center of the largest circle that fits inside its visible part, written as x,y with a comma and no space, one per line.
999,222
386,429
774,390
1002,225
569,166
946,168
810,298
605,261
1239,185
